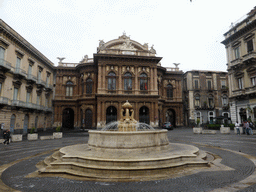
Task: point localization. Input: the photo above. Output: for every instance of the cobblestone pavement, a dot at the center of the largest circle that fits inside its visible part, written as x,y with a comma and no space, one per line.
237,152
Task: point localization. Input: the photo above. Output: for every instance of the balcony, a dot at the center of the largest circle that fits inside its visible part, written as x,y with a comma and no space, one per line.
48,87
238,93
41,83
17,103
4,101
5,66
249,57
236,62
32,78
19,72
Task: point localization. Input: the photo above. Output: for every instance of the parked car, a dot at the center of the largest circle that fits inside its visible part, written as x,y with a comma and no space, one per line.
168,126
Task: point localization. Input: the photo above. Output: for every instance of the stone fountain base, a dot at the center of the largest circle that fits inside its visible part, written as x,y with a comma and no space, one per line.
123,156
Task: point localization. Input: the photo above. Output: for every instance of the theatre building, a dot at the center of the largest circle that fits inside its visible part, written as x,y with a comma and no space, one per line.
89,94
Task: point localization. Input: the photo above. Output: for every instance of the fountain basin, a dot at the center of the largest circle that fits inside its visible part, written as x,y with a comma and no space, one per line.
131,139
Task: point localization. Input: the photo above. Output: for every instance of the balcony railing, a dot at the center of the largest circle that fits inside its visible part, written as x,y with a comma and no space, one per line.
236,62
32,77
5,64
4,100
18,103
48,86
238,92
20,71
41,82
249,56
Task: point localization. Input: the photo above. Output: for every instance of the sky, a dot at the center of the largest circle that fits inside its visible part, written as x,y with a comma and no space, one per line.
185,32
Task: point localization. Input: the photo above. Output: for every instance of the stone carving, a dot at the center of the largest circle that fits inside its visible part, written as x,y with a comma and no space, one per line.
101,45
127,121
60,60
127,45
152,50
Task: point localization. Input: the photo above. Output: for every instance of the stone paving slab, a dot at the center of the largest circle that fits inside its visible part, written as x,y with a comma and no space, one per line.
237,152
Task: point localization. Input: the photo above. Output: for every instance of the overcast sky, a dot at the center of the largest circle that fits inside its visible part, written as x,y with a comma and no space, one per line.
189,33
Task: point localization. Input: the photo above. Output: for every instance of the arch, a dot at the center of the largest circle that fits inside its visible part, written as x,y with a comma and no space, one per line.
111,114
127,81
171,117
12,123
111,81
68,118
88,119
25,124
144,115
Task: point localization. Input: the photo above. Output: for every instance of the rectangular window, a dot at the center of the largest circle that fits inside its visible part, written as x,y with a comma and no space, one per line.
15,93
240,83
2,50
196,84
210,102
18,62
39,75
29,69
223,84
197,101
225,101
28,97
46,102
38,100
0,88
209,83
253,81
249,45
237,53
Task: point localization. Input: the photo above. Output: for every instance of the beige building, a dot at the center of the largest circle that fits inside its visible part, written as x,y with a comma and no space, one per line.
240,43
26,83
205,96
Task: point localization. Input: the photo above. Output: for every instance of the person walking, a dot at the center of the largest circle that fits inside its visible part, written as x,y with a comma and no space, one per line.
237,128
247,128
7,136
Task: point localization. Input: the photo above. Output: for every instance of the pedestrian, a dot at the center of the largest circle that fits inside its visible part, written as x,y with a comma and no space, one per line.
244,127
247,128
250,128
237,128
7,137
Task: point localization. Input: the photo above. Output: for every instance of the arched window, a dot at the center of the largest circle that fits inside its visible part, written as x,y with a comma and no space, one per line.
69,89
89,86
197,101
143,81
111,81
127,81
210,117
169,91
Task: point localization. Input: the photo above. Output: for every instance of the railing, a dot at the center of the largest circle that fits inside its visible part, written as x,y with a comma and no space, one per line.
4,100
41,82
5,64
20,71
172,69
236,62
32,77
238,92
249,56
18,103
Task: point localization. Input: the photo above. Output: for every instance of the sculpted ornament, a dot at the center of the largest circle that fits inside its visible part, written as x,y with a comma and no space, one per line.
101,45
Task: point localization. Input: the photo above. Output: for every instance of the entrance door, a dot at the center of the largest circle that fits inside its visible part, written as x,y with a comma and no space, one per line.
12,124
25,125
144,115
88,119
242,114
111,114
68,118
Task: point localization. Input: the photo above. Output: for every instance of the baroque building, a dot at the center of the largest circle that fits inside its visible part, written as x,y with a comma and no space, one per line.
26,84
205,97
240,44
90,93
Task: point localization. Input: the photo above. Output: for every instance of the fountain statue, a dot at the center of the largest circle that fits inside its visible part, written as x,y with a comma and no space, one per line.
123,151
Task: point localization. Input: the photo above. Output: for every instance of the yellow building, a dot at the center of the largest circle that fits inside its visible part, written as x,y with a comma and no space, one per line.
240,43
26,83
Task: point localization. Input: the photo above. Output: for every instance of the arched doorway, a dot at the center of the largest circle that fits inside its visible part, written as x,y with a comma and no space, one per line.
111,114
68,118
170,117
12,123
144,115
25,125
88,119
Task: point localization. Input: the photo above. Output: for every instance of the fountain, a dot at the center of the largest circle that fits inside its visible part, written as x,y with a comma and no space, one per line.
123,151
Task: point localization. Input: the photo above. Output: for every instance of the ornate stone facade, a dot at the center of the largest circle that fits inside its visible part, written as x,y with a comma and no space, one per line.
91,93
